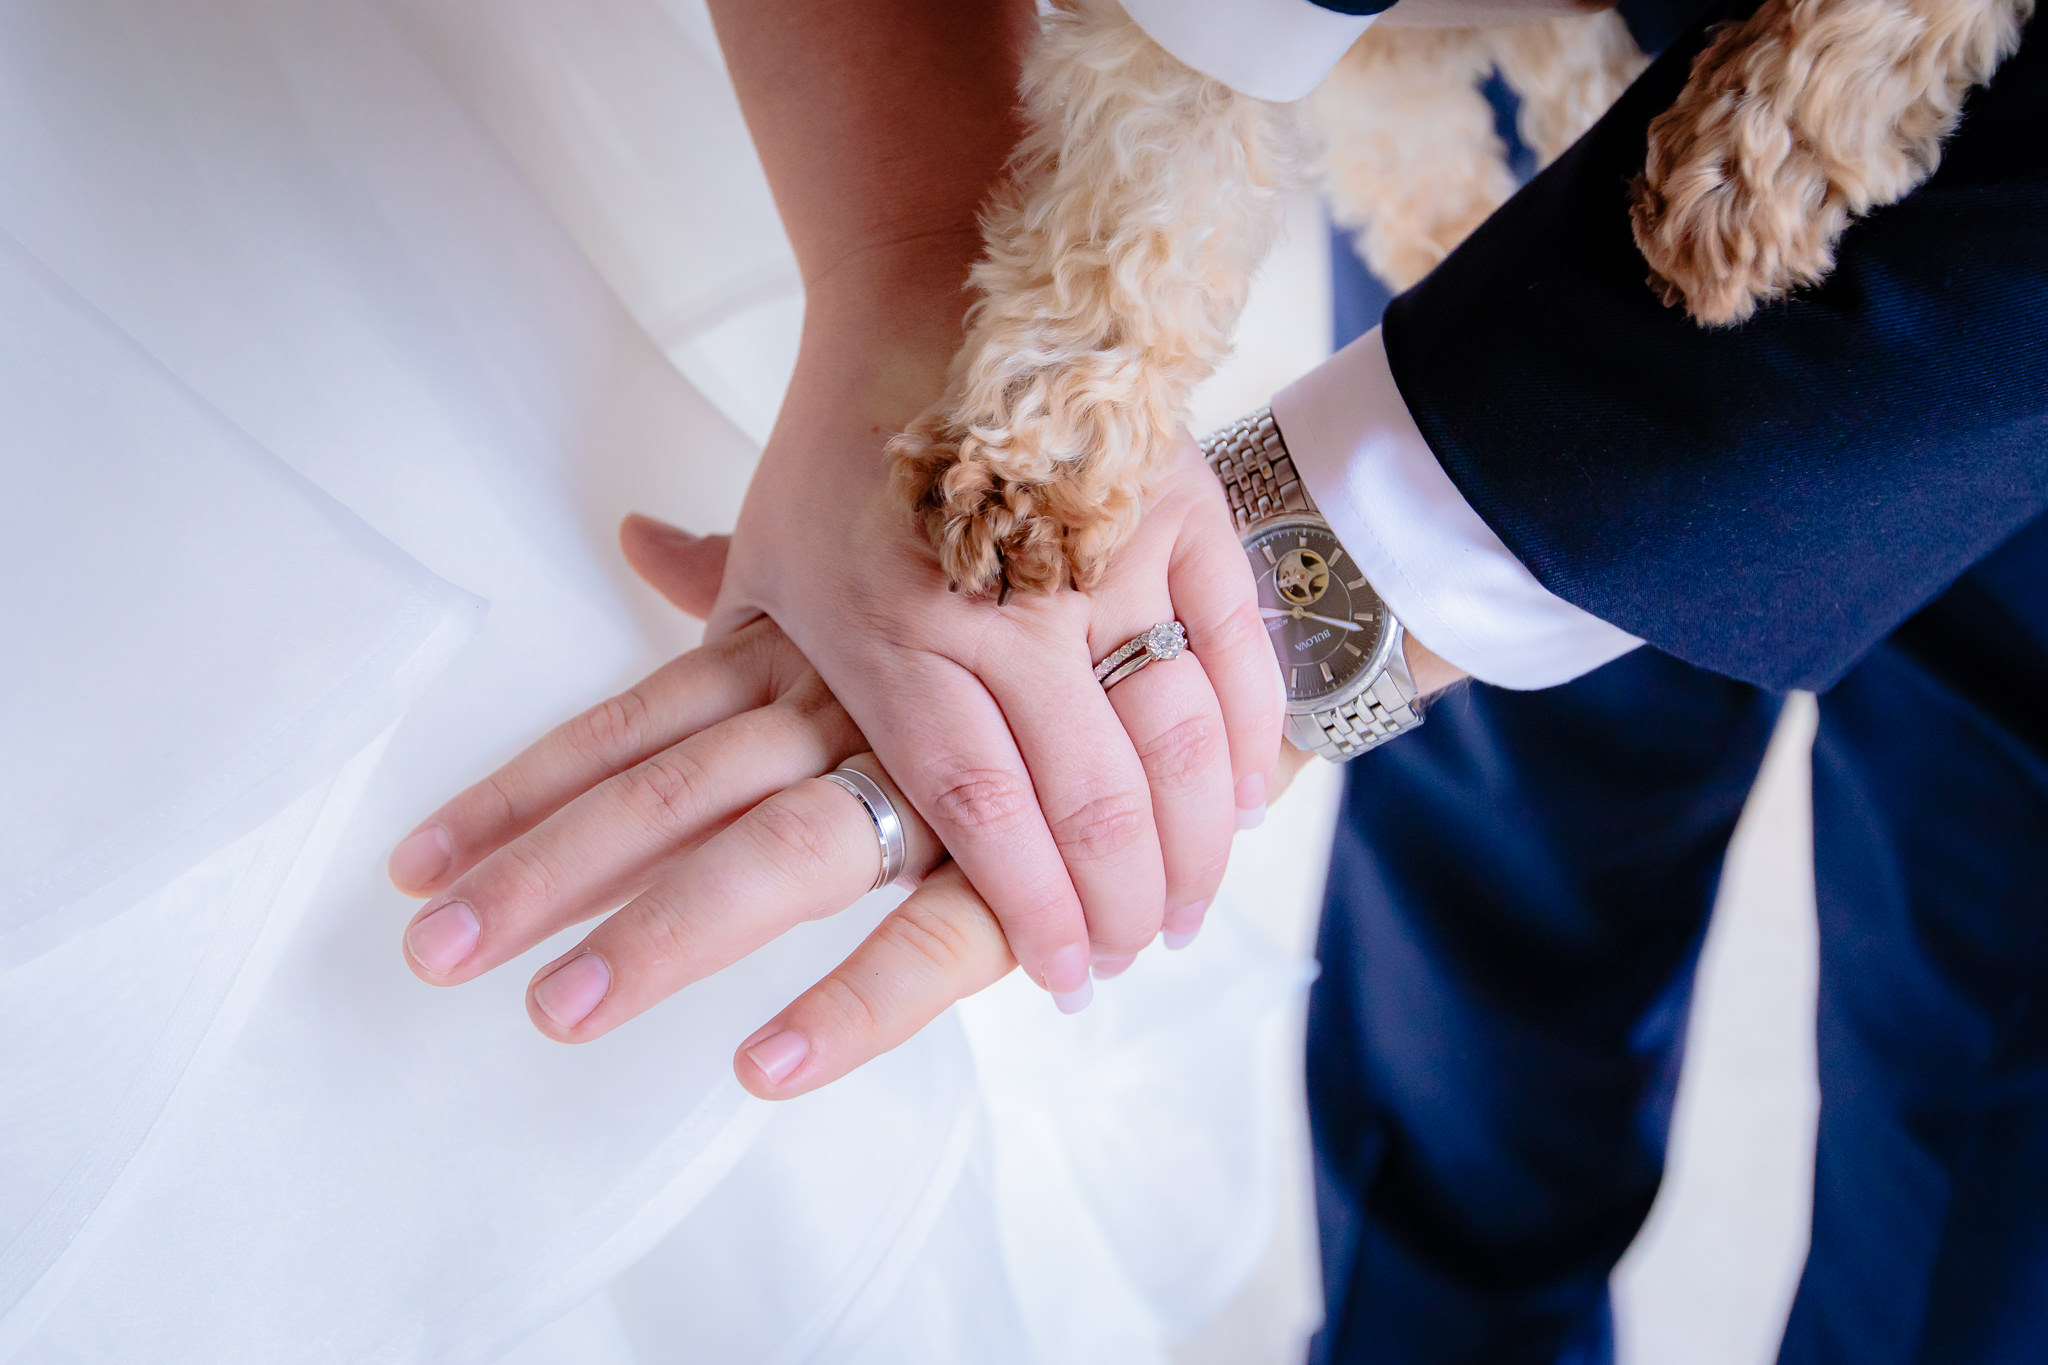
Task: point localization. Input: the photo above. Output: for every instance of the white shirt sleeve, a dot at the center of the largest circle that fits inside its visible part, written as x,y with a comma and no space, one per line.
1270,49
1439,567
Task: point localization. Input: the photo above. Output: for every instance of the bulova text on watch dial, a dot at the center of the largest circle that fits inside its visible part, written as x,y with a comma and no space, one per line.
1324,619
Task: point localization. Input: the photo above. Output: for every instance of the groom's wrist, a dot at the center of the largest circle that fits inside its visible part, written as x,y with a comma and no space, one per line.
1430,670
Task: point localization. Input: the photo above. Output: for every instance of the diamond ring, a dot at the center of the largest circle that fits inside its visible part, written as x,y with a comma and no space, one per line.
1164,641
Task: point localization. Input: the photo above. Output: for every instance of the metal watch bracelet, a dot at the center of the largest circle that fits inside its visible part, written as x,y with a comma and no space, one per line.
1251,460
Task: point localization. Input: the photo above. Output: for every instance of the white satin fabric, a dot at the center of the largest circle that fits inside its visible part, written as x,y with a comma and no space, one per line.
334,339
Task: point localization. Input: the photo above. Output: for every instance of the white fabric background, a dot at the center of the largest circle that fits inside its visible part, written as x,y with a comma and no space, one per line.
352,319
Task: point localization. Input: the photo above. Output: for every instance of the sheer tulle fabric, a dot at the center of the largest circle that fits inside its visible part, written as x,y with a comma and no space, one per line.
323,327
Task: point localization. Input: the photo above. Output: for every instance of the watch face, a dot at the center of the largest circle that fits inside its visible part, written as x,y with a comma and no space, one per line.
1325,621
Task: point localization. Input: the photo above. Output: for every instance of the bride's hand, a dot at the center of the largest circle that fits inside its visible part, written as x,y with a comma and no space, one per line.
1089,820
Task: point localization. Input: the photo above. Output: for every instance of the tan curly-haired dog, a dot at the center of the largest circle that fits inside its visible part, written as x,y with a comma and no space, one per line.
1121,243
1409,157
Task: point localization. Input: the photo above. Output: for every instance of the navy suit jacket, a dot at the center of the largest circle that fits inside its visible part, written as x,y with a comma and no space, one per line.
1767,500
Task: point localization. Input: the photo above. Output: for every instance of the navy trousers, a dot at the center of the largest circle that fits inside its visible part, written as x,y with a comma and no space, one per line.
1516,905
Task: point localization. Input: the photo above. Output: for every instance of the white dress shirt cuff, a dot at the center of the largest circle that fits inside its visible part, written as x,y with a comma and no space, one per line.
1270,49
1439,567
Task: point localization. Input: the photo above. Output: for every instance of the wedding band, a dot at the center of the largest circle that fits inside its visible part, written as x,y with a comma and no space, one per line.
1164,641
888,825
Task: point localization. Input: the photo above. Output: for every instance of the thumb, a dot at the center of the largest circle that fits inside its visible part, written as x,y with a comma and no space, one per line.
684,568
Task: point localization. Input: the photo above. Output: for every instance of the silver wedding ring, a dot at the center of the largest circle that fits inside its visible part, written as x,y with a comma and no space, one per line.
888,825
1164,641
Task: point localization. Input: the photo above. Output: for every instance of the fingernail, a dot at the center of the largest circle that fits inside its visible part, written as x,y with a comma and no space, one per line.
779,1054
571,991
420,858
1066,976
441,939
1113,966
1182,925
1251,801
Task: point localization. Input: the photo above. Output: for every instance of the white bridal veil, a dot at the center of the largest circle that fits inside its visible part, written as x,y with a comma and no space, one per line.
334,340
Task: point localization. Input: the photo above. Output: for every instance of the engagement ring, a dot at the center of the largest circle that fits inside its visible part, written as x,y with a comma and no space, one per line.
1164,641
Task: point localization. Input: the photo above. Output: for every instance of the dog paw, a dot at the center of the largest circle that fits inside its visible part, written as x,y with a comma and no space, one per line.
1734,209
1792,124
995,533
1721,246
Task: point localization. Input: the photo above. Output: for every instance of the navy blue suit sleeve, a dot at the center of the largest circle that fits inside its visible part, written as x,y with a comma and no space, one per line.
1767,501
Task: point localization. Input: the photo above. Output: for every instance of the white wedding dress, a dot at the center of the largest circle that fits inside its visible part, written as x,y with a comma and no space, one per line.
334,340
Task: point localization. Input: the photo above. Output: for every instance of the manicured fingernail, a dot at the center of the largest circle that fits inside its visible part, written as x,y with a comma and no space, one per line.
1251,801
779,1054
1113,966
1066,976
442,938
571,991
420,858
1182,925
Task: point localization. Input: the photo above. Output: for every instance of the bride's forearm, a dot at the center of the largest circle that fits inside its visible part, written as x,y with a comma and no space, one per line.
881,125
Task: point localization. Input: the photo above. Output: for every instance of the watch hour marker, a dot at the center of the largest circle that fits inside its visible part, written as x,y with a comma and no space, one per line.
1356,583
1303,542
1336,554
1294,677
1362,614
1353,648
1327,675
1267,551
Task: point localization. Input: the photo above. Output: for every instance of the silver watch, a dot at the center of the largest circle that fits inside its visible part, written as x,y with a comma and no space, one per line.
1348,686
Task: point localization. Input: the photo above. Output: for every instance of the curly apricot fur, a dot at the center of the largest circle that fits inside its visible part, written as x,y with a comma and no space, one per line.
1794,122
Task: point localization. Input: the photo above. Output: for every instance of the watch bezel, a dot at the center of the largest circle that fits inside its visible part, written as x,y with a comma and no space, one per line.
1383,648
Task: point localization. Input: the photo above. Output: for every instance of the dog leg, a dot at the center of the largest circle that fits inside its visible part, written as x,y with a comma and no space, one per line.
1568,72
1119,249
1794,122
1409,158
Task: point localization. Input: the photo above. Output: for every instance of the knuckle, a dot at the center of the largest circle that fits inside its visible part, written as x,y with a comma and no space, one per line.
980,799
521,876
792,839
847,1004
1237,630
667,791
613,729
1184,754
1101,828
664,941
926,940
816,712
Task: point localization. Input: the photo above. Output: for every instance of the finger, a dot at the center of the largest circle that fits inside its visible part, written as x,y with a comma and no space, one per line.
1292,761
1092,789
941,734
609,843
1217,597
805,852
1176,726
698,689
686,569
941,945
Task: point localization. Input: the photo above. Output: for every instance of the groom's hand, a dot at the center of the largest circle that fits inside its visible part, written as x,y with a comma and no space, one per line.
941,945
694,799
